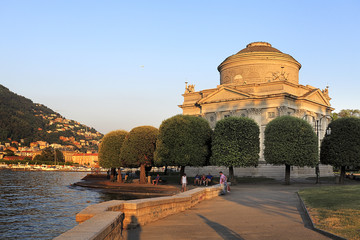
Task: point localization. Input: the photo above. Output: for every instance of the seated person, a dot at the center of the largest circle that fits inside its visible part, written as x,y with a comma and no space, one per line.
197,180
209,178
156,180
203,179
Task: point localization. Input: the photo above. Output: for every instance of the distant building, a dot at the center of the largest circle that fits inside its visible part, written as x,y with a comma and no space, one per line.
39,145
14,158
68,155
13,149
262,83
56,145
86,159
26,153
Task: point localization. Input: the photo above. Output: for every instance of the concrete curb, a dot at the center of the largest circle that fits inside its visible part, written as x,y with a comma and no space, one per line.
323,232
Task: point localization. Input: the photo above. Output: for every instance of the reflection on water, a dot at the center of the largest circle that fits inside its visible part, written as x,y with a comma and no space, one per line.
42,205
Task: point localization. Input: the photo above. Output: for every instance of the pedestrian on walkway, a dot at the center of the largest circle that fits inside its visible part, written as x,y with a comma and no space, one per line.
227,185
223,183
183,183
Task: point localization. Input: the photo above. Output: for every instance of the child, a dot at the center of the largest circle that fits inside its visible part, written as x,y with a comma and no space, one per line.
183,183
203,179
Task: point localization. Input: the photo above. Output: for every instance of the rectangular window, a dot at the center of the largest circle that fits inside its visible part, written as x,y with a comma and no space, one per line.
271,114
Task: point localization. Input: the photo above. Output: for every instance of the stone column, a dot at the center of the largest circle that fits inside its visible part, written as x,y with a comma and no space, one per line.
256,114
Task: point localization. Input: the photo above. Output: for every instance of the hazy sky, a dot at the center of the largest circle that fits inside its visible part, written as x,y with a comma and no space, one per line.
121,64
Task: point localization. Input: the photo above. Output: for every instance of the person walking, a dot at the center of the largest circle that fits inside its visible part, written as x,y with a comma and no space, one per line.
223,183
183,183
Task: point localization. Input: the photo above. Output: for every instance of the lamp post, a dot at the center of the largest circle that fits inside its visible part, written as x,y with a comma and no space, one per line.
328,131
317,169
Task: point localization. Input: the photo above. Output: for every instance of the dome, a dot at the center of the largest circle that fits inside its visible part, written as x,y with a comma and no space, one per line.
259,62
259,47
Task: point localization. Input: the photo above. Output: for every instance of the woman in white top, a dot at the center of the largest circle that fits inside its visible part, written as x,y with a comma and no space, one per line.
183,183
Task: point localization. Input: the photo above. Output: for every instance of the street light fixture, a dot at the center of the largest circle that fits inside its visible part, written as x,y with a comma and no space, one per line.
328,131
317,128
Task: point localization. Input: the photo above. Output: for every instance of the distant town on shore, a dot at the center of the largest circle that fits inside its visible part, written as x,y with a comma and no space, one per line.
27,128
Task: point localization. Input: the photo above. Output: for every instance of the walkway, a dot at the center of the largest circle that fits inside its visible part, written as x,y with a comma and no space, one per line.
268,211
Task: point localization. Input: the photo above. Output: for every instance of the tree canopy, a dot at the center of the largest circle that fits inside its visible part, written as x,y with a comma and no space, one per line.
235,143
346,113
49,154
138,148
341,147
110,149
183,141
290,141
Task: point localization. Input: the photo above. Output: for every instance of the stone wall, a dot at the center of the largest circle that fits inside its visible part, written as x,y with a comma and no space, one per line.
107,220
262,170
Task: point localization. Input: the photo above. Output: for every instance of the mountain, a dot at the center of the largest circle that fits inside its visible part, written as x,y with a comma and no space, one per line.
24,122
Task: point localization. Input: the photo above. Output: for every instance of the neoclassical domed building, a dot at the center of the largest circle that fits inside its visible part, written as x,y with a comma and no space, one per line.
262,83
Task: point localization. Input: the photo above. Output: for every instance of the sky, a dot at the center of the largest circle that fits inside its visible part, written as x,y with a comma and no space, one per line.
121,64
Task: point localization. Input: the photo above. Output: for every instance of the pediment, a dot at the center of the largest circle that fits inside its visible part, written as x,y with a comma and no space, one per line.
224,94
316,96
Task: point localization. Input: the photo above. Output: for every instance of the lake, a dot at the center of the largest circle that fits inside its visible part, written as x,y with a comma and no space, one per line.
42,205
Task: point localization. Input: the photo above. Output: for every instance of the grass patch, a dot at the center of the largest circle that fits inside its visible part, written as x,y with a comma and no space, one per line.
331,179
335,209
323,179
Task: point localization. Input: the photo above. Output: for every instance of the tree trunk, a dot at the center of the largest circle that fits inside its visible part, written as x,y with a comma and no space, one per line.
342,175
142,174
165,171
231,175
119,178
112,174
317,172
287,174
182,171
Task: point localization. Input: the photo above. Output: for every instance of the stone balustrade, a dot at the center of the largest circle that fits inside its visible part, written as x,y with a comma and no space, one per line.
107,220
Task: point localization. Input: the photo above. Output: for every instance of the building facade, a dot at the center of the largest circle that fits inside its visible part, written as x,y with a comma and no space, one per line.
262,83
86,159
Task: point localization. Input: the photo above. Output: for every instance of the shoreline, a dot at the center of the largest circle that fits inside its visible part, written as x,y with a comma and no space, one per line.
100,182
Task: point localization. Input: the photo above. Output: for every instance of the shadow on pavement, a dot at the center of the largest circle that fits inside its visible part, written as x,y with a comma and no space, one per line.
271,199
223,231
134,234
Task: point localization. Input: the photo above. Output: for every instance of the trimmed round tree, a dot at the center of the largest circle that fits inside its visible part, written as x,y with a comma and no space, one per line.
290,141
138,149
110,149
235,143
183,141
341,147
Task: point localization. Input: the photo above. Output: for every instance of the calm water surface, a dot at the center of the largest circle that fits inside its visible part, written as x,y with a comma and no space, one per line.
42,205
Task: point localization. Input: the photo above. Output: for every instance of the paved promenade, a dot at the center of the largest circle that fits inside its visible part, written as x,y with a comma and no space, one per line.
268,211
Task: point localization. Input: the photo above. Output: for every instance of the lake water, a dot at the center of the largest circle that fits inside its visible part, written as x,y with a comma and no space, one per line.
42,205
